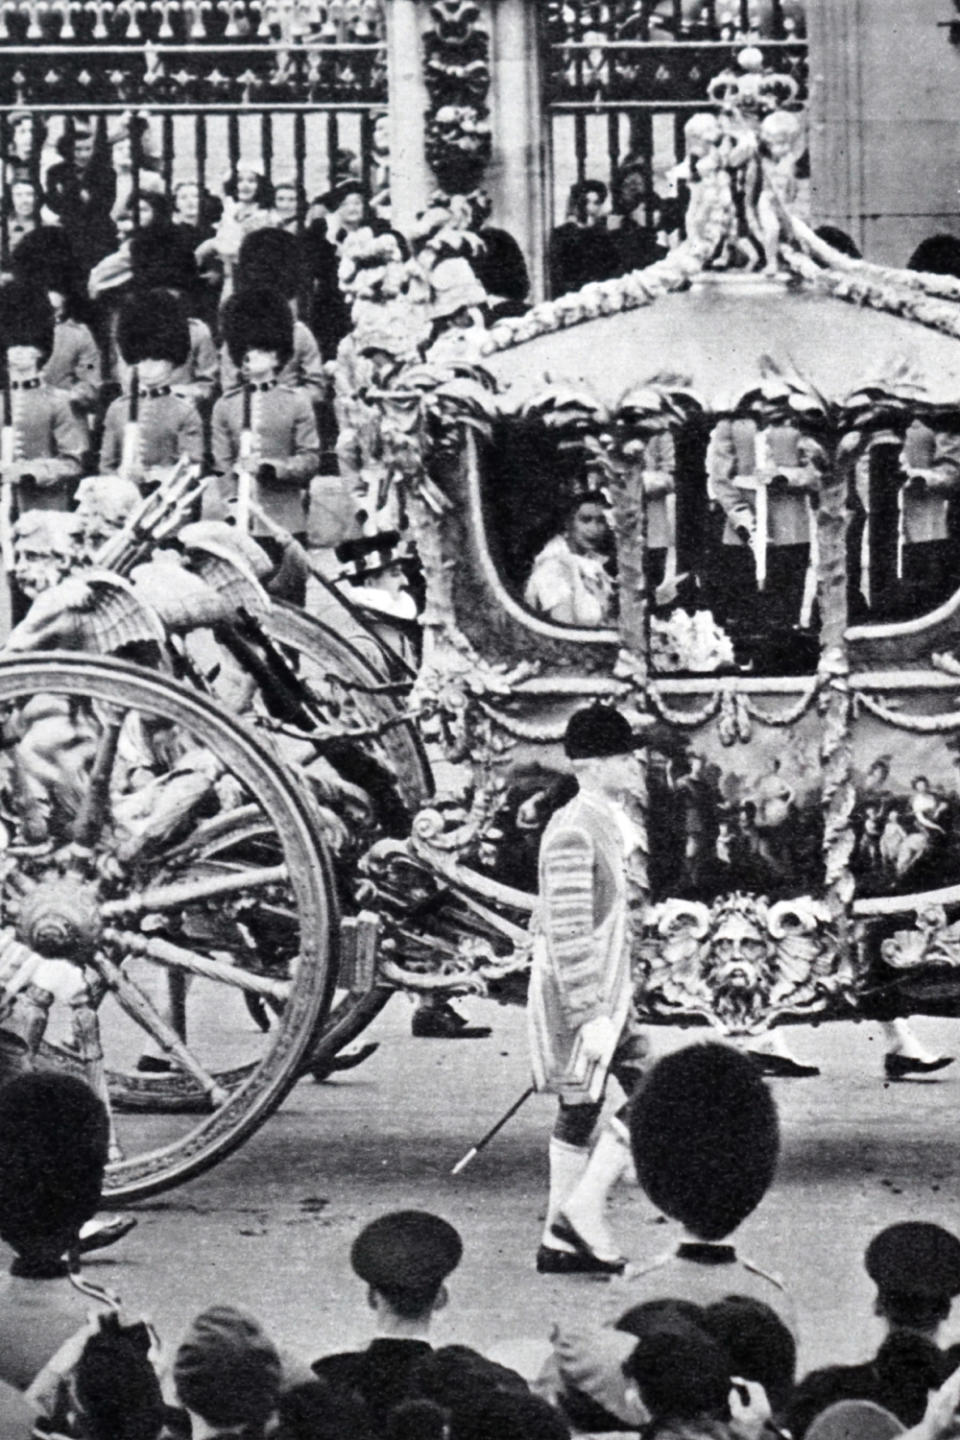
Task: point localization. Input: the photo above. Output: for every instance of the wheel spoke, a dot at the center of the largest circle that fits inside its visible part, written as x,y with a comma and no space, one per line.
96,803
86,1035
218,828
176,957
139,1008
191,892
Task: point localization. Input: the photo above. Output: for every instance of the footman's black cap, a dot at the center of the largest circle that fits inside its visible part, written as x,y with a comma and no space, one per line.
597,732
915,1258
406,1250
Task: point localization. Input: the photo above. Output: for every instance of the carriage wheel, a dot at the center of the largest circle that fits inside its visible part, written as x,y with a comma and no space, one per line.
160,866
341,678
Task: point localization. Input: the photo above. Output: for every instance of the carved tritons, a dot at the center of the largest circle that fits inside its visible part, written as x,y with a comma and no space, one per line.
931,942
742,962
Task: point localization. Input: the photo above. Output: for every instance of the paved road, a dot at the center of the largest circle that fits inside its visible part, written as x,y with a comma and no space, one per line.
271,1227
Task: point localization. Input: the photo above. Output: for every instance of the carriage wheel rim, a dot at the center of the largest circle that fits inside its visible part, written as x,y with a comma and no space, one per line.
261,1090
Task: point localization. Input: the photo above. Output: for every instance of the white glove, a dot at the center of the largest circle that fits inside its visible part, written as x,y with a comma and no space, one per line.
597,1037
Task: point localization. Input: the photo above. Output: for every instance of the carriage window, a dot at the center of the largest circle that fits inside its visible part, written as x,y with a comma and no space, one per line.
549,527
904,538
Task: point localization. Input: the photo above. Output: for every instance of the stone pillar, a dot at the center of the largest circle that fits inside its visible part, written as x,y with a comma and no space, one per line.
836,115
885,162
411,180
517,175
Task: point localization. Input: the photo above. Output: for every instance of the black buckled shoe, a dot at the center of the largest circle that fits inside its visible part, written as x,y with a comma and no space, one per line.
564,1230
782,1067
905,1067
551,1261
441,1022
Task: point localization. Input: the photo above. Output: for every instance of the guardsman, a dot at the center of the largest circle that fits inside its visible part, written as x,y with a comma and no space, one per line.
45,258
766,483
46,441
269,261
927,570
146,432
579,1008
705,1140
265,418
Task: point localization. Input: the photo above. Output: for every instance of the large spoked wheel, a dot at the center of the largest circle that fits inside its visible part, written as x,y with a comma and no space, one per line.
160,869
352,690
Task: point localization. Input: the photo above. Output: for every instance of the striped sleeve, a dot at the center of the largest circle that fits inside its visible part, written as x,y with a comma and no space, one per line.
567,904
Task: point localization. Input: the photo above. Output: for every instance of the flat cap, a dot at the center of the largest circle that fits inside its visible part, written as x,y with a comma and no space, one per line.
406,1250
915,1258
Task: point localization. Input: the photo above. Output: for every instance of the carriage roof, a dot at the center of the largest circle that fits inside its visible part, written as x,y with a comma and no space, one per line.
839,325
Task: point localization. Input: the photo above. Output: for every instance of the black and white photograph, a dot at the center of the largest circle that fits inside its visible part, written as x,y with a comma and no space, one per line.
479,719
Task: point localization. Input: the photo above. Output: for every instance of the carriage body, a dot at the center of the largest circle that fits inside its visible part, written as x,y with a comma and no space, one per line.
802,809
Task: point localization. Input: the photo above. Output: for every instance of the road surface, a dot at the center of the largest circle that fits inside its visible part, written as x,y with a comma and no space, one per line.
271,1227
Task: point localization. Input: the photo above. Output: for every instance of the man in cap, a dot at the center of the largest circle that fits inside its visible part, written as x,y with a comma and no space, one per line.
404,1258
916,1269
580,987
153,339
227,1374
49,442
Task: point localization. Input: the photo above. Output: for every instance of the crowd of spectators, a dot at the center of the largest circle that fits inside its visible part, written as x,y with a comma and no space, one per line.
697,1344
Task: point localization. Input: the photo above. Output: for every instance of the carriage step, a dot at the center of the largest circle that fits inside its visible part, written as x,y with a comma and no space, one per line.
359,942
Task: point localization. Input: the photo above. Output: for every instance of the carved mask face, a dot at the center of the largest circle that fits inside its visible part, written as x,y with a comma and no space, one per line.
738,951
44,551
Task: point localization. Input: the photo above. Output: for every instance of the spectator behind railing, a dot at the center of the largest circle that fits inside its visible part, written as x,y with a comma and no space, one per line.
80,191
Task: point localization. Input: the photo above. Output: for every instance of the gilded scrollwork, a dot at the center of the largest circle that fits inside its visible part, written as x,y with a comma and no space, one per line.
931,942
743,963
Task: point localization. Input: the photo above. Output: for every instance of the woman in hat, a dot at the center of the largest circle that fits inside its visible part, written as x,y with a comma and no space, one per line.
580,988
23,206
131,129
458,310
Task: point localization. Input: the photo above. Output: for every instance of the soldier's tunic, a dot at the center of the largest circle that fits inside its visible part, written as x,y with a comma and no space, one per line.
74,365
304,369
286,431
169,427
581,952
739,454
50,445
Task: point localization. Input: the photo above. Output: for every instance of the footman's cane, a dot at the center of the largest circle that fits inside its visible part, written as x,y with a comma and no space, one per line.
474,1150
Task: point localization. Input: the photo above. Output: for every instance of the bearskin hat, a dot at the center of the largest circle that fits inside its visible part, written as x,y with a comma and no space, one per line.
153,326
269,259
45,258
53,1151
162,258
705,1138
257,319
26,317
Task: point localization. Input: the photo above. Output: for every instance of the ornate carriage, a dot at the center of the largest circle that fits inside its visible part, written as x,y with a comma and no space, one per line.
223,851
